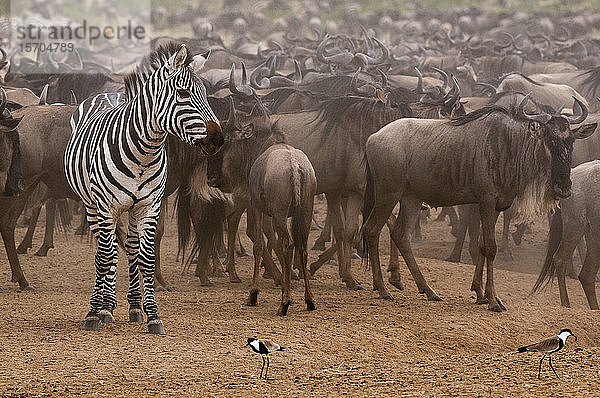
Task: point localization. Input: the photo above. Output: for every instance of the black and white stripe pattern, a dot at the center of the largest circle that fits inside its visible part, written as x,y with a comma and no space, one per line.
116,162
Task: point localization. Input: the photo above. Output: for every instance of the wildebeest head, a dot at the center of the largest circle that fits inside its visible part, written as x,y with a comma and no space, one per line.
558,137
11,173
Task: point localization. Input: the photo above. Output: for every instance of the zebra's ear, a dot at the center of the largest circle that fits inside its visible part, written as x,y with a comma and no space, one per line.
200,60
177,60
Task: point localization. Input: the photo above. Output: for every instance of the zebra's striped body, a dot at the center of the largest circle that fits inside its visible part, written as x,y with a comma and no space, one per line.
116,162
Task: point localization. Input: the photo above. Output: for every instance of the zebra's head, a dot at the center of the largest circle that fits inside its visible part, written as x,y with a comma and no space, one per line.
183,109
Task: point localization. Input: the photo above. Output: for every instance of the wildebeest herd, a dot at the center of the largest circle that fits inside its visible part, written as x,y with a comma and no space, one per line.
391,111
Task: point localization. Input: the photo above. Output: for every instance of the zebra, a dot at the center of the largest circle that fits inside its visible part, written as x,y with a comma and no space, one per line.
116,162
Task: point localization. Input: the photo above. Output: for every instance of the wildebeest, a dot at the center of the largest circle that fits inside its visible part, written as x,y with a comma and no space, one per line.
577,216
493,156
283,184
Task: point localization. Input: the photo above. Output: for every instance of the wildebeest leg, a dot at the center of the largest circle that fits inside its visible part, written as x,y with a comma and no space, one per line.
233,222
255,219
394,264
26,243
285,247
409,211
563,259
322,259
587,276
489,216
8,235
473,228
351,227
461,232
160,283
239,247
334,210
301,254
380,213
581,250
49,230
324,236
416,235
83,225
507,216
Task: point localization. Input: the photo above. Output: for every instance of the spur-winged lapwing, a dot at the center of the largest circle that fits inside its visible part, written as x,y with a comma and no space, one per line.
549,347
264,347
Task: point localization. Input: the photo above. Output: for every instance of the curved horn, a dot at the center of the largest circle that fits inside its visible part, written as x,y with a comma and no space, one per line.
44,96
73,98
354,81
3,102
244,75
487,86
244,89
419,89
542,118
232,86
321,50
453,94
584,112
4,54
298,74
443,74
384,81
231,118
385,53
258,74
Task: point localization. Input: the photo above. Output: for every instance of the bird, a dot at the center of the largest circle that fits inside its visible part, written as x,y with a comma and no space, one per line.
263,347
548,347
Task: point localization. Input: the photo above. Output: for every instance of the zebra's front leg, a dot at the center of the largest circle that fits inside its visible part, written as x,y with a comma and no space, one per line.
103,300
146,260
134,294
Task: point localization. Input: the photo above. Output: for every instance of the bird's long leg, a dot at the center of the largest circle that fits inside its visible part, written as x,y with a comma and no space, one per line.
540,367
263,366
551,367
267,371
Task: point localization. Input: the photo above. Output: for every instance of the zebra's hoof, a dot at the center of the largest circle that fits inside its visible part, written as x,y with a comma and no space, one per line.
155,326
136,315
91,323
106,317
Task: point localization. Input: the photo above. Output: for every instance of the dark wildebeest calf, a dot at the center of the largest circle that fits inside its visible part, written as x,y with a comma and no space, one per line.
576,216
492,157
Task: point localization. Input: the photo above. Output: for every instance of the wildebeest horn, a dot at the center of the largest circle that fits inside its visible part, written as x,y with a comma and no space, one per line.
453,94
542,118
384,81
444,75
244,89
73,98
488,86
385,53
419,89
321,49
44,96
354,81
3,102
231,118
582,116
257,73
297,74
4,54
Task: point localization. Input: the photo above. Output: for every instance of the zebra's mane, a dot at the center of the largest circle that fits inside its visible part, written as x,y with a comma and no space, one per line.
149,64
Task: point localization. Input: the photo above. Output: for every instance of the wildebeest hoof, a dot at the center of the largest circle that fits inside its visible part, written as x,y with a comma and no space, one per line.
43,251
453,259
235,279
332,262
386,296
397,284
284,309
160,288
155,326
434,298
310,306
355,256
28,288
91,323
495,308
295,276
106,317
207,283
136,315
357,287
252,298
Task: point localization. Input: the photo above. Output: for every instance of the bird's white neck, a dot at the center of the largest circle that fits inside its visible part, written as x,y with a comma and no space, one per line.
563,336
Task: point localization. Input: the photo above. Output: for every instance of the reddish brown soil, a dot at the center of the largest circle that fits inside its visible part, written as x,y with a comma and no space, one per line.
353,344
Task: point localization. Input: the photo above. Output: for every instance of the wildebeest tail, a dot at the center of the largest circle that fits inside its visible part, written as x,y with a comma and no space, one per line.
368,203
554,237
65,215
299,219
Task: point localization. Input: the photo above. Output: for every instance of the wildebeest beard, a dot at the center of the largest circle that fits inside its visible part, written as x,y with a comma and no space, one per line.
14,179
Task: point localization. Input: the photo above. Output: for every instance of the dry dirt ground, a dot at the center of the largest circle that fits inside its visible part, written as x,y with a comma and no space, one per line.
352,345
